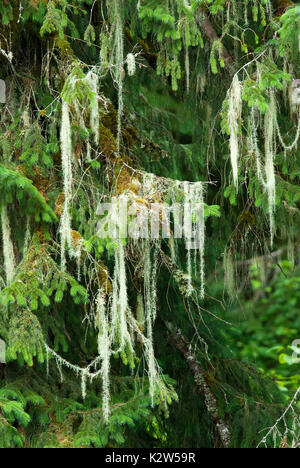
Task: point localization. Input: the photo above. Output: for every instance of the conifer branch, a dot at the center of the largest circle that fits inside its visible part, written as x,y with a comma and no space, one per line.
201,382
210,32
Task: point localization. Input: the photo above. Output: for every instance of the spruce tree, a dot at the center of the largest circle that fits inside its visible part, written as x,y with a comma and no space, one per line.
118,340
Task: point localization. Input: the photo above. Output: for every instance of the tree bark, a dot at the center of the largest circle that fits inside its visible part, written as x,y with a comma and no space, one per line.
200,378
210,32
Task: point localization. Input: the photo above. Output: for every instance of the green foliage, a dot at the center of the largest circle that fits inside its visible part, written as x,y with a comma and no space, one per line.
13,184
76,87
93,432
25,338
38,283
37,152
55,20
6,14
177,29
216,49
216,5
289,31
37,280
267,336
90,35
18,406
270,78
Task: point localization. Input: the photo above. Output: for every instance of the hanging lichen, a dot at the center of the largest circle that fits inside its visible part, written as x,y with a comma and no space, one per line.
66,156
234,116
27,237
8,248
92,81
270,151
294,144
150,273
187,54
120,306
269,9
104,350
194,230
131,65
253,145
119,62
140,310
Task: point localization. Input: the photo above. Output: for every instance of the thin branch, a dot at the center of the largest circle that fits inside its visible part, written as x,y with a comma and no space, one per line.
201,382
210,32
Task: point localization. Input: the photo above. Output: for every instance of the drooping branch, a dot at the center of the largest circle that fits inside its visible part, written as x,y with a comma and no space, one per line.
211,34
201,382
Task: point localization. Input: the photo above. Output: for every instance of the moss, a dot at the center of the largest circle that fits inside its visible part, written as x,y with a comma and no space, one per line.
107,141
56,157
102,277
129,136
76,238
282,5
123,178
78,149
59,204
64,47
35,3
41,183
38,238
110,118
247,219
